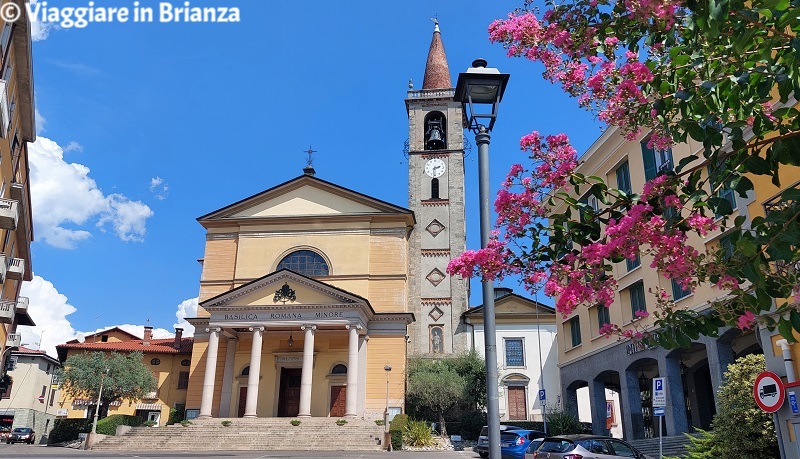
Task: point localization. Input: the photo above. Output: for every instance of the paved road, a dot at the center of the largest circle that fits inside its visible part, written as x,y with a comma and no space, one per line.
29,451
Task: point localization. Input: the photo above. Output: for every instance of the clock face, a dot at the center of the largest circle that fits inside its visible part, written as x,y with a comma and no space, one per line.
435,167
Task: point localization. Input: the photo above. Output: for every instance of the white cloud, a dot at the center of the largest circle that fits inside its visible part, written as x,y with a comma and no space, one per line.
49,310
64,197
159,188
73,146
40,121
40,31
188,308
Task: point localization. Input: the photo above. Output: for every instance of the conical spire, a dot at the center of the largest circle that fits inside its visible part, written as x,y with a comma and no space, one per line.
437,73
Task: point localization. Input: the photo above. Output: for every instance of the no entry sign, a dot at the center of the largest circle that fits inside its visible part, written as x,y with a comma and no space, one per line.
769,392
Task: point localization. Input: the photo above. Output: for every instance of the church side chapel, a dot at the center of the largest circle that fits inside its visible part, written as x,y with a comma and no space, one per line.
313,295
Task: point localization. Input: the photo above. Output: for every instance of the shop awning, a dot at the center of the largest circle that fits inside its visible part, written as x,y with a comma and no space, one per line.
149,406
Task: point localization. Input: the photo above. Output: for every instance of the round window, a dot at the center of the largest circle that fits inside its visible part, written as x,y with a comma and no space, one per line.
155,362
185,362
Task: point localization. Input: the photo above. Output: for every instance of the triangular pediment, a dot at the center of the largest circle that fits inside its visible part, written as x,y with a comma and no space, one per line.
305,196
513,304
284,289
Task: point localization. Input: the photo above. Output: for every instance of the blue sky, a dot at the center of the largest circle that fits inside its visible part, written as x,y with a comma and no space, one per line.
145,127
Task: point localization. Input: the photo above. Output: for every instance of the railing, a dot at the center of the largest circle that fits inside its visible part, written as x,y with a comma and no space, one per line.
14,340
15,268
22,303
7,311
4,112
431,93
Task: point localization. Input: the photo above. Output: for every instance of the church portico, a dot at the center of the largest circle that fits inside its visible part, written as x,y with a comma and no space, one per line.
290,359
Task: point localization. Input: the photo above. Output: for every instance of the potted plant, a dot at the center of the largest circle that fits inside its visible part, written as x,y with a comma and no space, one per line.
226,423
185,422
341,422
295,422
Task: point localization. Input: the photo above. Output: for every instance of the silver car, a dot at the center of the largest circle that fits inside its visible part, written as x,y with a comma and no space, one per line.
585,447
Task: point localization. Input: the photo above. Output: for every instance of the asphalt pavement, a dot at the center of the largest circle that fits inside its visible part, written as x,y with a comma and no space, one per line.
32,451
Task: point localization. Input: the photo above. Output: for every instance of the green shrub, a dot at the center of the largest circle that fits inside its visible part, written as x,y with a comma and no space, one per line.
701,447
149,423
226,423
295,422
108,426
560,422
471,424
397,427
177,414
379,422
341,422
68,429
418,433
186,422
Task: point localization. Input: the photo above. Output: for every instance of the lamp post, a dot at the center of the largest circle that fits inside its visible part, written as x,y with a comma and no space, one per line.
386,436
99,396
480,90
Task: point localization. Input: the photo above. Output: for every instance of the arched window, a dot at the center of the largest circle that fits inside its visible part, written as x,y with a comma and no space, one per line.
435,188
435,133
155,362
305,262
339,369
185,362
246,370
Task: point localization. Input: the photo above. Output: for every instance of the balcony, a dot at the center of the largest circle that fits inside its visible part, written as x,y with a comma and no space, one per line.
22,304
14,340
16,268
150,396
9,213
7,311
3,267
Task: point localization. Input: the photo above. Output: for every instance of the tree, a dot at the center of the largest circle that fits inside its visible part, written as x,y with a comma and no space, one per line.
740,427
440,389
724,73
127,377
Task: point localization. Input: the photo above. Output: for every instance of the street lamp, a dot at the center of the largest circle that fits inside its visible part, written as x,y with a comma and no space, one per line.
99,395
386,434
480,90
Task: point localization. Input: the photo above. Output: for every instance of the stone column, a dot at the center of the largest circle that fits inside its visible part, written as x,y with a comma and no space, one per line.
211,372
227,379
675,422
351,408
308,367
255,371
631,406
597,401
720,355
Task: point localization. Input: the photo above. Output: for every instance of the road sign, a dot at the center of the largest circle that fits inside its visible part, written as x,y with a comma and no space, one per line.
659,392
40,398
658,411
793,402
542,395
769,392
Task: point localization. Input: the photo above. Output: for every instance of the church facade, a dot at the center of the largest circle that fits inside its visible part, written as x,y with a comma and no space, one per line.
313,296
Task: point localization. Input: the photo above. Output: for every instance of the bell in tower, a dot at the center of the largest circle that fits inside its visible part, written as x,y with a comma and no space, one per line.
434,132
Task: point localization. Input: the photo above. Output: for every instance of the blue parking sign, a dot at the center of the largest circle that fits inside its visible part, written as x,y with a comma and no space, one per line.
793,402
542,395
659,384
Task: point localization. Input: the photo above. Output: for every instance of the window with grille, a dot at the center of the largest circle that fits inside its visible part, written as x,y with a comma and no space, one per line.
575,330
183,380
624,178
637,299
514,353
655,161
305,262
678,292
603,316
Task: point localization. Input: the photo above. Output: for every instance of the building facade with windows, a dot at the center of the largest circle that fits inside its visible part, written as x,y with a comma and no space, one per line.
17,129
527,354
588,360
31,400
312,295
169,360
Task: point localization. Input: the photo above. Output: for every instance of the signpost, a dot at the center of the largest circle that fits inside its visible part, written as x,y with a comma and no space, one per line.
659,405
769,392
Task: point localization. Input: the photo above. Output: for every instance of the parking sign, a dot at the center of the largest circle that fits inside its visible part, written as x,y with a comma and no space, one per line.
659,392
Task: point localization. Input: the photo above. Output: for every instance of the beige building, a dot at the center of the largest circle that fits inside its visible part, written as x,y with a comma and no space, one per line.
169,360
31,401
17,128
589,360
312,294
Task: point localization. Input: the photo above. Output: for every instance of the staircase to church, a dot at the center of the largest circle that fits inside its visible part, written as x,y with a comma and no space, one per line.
259,434
672,446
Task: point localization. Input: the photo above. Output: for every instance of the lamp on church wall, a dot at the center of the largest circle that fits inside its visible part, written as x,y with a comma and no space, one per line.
480,90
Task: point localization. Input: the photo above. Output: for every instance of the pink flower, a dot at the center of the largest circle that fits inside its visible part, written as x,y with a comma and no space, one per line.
640,314
746,320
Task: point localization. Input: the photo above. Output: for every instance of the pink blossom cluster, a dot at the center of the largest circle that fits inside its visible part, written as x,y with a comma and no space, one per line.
652,10
489,263
746,320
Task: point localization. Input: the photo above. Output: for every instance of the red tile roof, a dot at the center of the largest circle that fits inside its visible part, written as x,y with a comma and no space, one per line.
102,332
156,346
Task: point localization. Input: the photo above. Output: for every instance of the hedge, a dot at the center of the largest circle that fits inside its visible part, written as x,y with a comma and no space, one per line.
108,425
68,429
396,428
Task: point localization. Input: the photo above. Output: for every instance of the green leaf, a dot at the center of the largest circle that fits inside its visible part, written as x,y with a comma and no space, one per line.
794,317
785,329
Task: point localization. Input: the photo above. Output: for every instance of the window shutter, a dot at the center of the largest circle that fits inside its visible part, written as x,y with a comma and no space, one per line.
650,170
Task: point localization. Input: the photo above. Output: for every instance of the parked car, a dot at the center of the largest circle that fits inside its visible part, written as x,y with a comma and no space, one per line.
584,447
483,439
533,446
23,434
514,443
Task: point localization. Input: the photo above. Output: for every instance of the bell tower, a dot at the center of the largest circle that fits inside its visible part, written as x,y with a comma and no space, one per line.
436,195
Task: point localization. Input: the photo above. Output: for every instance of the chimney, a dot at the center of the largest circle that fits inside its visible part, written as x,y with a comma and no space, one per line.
148,335
178,335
